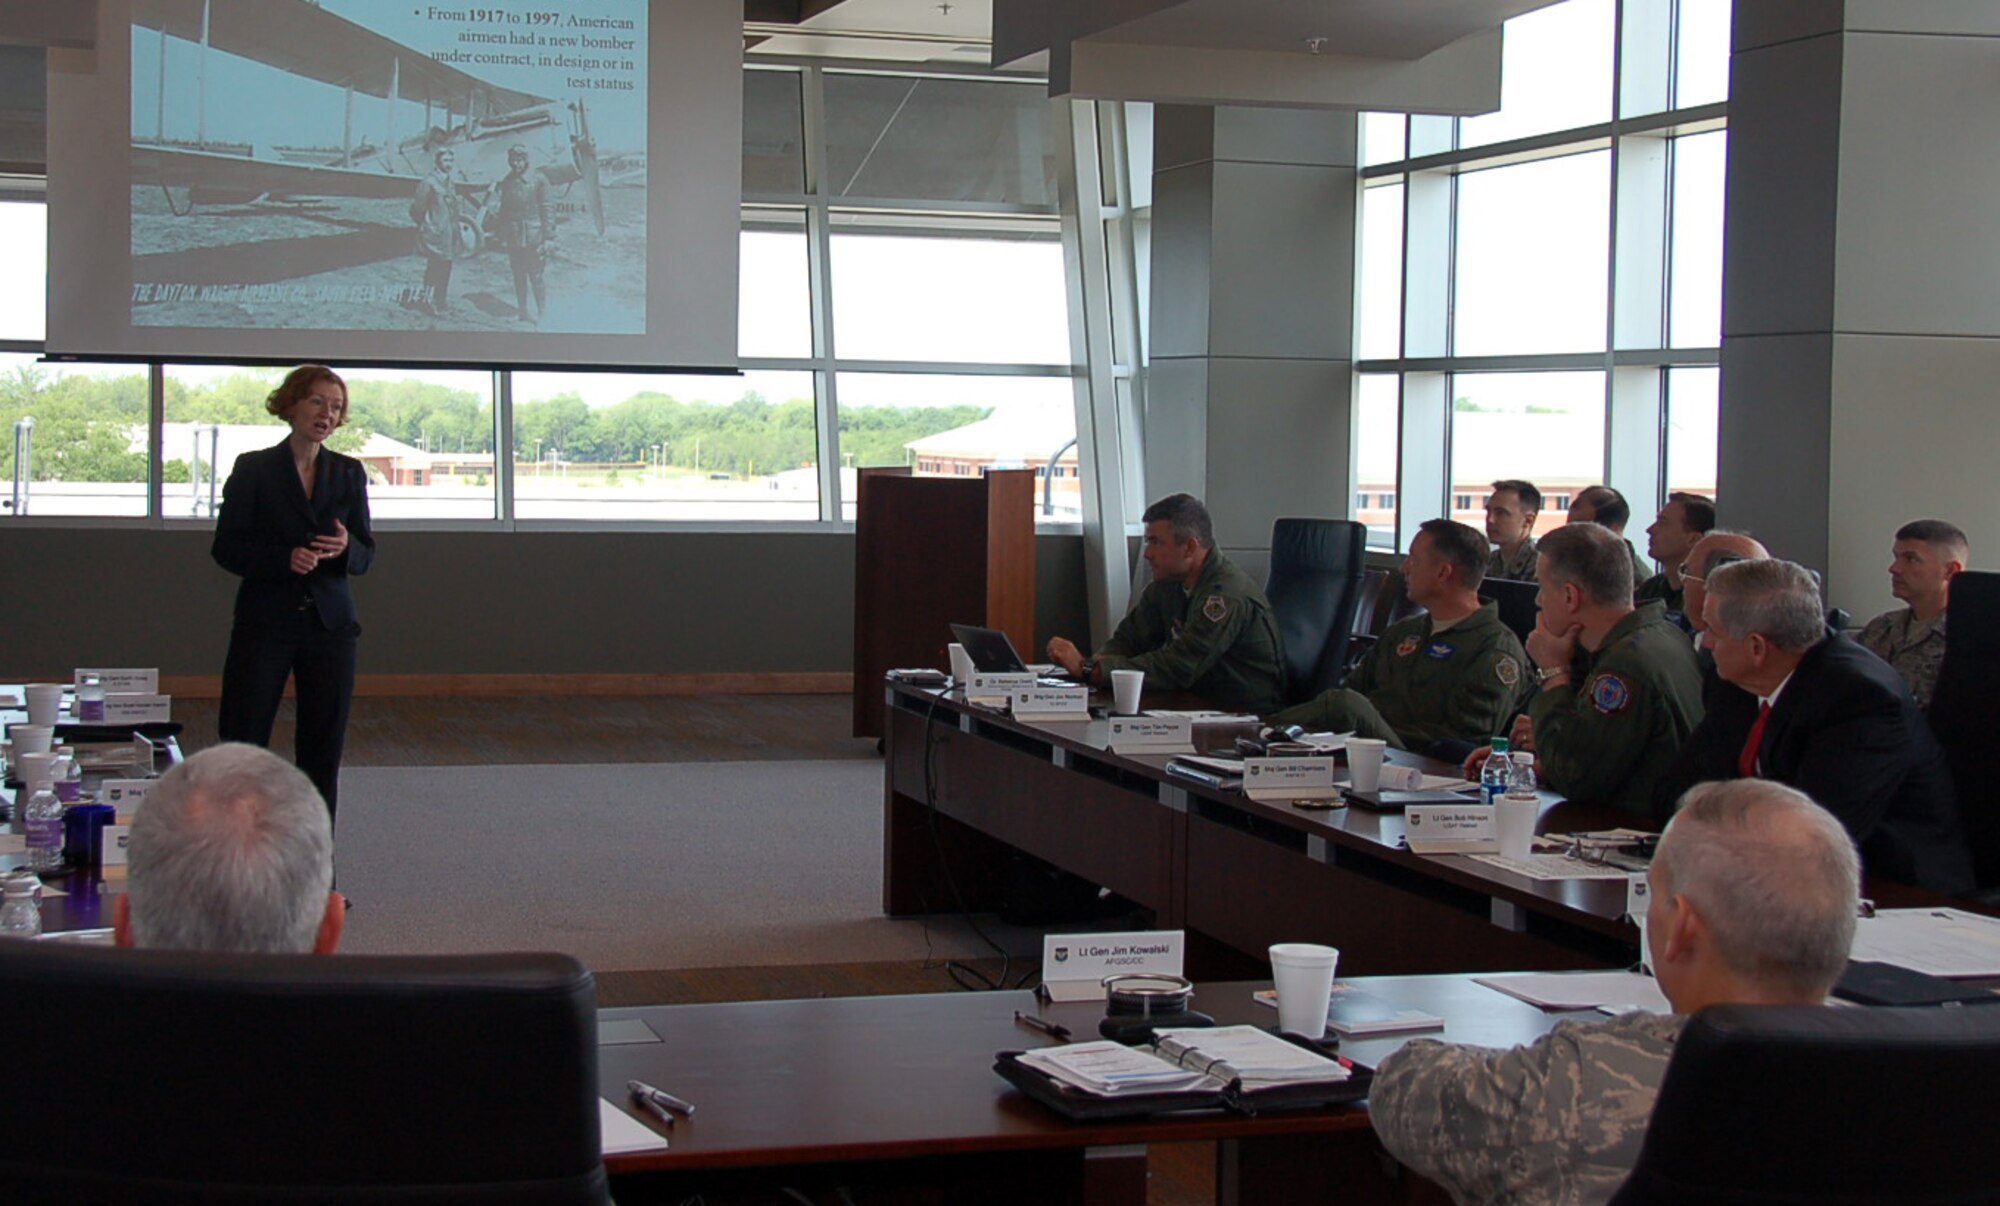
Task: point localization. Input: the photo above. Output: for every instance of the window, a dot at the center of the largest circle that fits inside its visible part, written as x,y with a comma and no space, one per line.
963,299
75,438
1381,272
24,231
1533,242
1375,457
1696,314
1466,503
938,140
1546,428
961,426
1692,396
1555,73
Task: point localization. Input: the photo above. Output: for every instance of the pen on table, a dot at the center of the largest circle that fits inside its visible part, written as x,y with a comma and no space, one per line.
1054,1030
660,1098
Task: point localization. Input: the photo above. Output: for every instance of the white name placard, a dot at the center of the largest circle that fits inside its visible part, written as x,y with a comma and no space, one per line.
126,681
1450,829
1074,965
1289,778
1152,735
1052,703
996,688
1638,895
138,709
125,795
117,845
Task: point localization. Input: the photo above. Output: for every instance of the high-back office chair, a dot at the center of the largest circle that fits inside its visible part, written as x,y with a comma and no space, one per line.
1963,707
157,1076
1316,569
1841,1107
1516,600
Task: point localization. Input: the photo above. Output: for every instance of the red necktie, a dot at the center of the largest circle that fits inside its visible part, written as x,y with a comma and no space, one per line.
1746,762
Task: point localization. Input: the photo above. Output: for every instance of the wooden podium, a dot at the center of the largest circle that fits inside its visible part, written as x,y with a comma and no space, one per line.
930,552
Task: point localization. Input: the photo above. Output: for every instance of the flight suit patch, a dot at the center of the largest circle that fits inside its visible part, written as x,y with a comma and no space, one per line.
1408,646
1440,651
1216,608
1610,694
1507,670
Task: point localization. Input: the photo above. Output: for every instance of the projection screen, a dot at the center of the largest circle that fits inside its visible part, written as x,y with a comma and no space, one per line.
391,181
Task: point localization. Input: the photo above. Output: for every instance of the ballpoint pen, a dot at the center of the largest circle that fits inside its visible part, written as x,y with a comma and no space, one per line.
654,1108
660,1098
1054,1030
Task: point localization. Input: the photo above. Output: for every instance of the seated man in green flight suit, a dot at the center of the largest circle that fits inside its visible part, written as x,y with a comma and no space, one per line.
1452,675
1202,626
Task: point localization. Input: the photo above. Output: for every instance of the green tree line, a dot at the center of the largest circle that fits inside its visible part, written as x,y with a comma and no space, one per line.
85,425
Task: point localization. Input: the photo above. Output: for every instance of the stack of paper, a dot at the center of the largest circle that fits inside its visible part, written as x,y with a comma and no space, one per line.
1112,1070
1257,1058
1615,991
1938,942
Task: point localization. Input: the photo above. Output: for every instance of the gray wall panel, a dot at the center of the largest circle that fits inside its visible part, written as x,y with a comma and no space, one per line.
1183,201
1278,445
1774,433
1303,137
1280,233
1756,23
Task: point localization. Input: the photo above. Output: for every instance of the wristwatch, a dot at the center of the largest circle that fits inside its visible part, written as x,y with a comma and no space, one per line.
1089,672
1543,675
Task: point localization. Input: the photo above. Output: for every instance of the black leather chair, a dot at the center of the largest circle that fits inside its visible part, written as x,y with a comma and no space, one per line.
1835,1107
1517,602
158,1076
1316,567
1963,708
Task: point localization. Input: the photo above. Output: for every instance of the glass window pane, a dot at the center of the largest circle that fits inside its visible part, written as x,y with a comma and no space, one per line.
24,231
1555,73
1693,401
1545,428
774,298
1383,138
938,140
1695,318
1381,272
1532,257
617,446
773,134
425,437
83,430
1701,53
980,300
956,426
23,109
1376,407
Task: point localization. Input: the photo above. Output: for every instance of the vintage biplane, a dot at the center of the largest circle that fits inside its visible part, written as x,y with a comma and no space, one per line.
479,121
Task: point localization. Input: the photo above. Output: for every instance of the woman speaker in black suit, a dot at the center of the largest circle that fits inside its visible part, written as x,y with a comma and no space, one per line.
294,526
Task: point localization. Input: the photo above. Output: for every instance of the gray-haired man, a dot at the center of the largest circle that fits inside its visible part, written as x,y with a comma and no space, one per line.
1754,891
233,851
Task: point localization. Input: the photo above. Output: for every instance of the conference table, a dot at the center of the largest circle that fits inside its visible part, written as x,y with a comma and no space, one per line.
898,1095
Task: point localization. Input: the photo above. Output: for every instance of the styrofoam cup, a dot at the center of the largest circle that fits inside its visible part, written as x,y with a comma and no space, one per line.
44,702
1364,762
1514,821
1125,688
1302,972
961,663
31,738
32,769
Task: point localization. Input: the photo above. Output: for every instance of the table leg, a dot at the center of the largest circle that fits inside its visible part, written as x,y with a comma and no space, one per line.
1114,1176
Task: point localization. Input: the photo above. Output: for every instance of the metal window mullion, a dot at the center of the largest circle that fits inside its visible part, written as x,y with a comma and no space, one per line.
819,285
503,448
156,419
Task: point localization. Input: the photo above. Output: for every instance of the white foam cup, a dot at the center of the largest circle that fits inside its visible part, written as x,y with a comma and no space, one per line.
31,738
961,663
1125,688
1364,762
44,702
1514,821
1303,975
32,769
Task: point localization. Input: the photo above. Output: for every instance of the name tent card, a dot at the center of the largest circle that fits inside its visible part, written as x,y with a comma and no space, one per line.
117,845
1276,779
138,709
1074,965
1152,735
125,795
996,688
1638,895
1052,703
1450,829
121,681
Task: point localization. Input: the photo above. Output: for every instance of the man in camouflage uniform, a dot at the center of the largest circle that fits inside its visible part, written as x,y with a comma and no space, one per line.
1511,510
1607,508
1561,1120
1454,673
1678,527
1928,555
1202,626
1620,687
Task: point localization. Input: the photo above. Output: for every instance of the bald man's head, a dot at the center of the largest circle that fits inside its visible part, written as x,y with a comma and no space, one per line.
1736,546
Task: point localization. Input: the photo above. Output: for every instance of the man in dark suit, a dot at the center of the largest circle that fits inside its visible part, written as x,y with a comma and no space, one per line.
1819,713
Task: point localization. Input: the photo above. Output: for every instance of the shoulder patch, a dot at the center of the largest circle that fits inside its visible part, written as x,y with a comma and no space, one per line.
1407,645
1440,651
1507,670
1216,607
1610,694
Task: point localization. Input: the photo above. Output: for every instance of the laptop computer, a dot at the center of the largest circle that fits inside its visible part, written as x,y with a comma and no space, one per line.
990,650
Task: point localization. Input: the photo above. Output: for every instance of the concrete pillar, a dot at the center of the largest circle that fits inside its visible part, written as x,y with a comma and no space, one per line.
1249,393
1861,283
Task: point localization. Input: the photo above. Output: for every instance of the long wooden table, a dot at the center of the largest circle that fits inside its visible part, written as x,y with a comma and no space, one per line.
965,786
897,1095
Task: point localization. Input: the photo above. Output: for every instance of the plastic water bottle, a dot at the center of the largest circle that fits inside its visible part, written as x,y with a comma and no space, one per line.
1522,781
20,909
90,700
1494,773
69,779
44,829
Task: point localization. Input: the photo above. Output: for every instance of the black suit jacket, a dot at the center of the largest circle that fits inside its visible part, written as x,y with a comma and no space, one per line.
1844,731
265,515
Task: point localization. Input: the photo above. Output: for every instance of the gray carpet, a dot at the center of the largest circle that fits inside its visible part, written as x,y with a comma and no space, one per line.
629,866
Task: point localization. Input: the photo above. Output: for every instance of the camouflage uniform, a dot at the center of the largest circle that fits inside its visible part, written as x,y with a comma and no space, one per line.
1558,1121
1641,570
1611,732
1419,684
1914,647
1673,598
1519,568
1219,640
